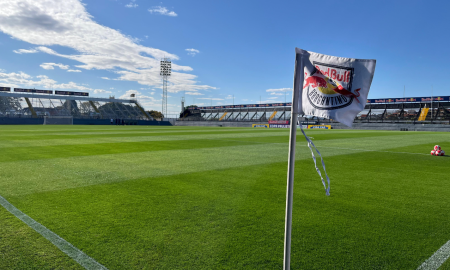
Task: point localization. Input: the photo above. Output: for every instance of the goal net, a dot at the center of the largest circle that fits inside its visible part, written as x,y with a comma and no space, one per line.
58,120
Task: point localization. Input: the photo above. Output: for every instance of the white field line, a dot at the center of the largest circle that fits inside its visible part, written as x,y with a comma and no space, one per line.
437,259
321,146
440,256
368,150
66,247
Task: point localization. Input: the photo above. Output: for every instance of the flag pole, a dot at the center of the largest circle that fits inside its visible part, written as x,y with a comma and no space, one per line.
298,82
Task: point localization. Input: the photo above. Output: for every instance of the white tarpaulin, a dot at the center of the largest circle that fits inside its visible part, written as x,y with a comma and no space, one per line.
333,87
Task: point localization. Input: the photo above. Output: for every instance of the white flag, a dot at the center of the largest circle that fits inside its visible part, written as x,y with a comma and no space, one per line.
333,87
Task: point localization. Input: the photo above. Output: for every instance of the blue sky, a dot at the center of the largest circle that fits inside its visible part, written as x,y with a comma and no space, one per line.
219,49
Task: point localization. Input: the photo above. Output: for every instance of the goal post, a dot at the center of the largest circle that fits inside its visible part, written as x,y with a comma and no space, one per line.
58,120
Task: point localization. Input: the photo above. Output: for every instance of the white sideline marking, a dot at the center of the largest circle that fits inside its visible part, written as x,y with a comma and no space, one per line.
368,150
363,150
66,247
437,259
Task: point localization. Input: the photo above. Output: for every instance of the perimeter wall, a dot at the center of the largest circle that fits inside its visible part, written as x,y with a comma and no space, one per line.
40,121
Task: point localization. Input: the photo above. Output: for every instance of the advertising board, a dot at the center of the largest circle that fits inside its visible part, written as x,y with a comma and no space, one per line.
319,126
279,122
260,125
35,91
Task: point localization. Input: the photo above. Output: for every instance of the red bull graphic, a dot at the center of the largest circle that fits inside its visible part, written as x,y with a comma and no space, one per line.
328,85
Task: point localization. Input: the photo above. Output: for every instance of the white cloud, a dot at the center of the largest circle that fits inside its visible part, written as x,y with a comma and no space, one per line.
229,97
22,79
245,99
163,11
266,101
146,101
272,98
72,85
279,90
212,98
106,78
132,4
74,70
98,91
52,65
192,52
194,94
111,88
47,23
21,51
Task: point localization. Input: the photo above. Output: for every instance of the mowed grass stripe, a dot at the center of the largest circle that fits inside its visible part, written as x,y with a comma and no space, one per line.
85,128
154,137
16,134
120,131
22,177
387,211
65,151
57,151
119,135
234,218
250,135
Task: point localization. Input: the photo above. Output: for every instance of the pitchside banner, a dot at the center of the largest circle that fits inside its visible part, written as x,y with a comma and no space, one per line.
406,100
5,89
319,126
260,125
279,126
68,93
35,91
332,87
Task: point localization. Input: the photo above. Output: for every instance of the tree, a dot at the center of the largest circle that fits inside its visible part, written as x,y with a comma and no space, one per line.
156,114
72,107
9,105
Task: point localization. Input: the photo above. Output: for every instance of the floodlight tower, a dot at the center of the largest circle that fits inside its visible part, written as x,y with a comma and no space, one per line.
183,101
166,70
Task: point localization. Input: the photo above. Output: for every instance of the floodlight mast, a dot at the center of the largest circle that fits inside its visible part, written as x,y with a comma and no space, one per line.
165,71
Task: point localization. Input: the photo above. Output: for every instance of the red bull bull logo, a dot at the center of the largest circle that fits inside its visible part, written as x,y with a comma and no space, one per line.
328,87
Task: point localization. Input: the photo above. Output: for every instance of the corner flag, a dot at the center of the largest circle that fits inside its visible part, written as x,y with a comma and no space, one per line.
324,86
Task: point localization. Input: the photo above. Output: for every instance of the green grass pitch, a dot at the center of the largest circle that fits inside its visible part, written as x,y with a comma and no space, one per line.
214,198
